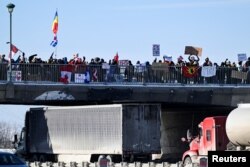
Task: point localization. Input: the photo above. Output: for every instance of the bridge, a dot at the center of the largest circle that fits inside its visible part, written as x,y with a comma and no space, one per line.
185,101
41,84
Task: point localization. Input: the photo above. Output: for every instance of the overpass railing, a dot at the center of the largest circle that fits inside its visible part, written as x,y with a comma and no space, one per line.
80,74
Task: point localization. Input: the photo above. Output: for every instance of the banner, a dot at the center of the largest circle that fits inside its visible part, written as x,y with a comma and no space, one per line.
242,57
79,78
123,62
208,71
16,76
190,71
239,75
82,78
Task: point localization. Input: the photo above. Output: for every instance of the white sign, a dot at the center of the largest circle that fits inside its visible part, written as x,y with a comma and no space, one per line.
105,66
242,57
208,71
156,50
79,78
16,76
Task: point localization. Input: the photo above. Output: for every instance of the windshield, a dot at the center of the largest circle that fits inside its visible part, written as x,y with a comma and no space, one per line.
22,135
10,159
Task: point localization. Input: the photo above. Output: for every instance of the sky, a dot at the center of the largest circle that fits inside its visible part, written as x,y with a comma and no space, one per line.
103,28
13,115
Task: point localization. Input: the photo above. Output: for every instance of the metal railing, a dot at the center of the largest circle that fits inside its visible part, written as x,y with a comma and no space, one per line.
52,73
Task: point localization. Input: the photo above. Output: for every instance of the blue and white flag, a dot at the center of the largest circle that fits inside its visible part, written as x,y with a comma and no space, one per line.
54,42
167,58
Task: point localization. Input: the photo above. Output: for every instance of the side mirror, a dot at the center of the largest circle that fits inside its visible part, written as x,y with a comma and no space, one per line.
183,139
189,135
15,138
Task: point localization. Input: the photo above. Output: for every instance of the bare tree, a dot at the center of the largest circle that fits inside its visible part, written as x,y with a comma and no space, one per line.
7,132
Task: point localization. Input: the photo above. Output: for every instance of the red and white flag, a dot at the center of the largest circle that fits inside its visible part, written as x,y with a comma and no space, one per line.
14,48
66,72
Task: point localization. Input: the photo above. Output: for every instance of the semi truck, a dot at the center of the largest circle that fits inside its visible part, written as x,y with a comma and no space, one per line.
219,133
124,132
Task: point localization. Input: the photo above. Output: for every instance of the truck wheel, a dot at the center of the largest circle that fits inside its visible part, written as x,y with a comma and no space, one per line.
34,158
42,158
132,158
187,161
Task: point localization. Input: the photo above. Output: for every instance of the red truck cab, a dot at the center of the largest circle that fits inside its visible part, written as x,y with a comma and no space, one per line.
212,136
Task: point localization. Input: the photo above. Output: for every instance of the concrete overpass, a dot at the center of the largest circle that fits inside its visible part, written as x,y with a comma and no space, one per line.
99,93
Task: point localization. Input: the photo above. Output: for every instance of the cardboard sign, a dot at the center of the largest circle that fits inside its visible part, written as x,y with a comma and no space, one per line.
190,50
239,75
160,67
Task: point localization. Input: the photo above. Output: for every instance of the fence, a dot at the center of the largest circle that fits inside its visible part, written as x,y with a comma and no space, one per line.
86,164
79,74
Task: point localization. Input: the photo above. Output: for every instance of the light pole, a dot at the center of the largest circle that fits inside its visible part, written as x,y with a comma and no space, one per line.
10,7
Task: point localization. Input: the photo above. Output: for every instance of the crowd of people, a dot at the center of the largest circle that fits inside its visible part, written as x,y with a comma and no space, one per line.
162,70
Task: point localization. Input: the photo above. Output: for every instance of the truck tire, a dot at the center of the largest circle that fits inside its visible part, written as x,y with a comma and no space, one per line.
42,158
132,159
187,161
34,158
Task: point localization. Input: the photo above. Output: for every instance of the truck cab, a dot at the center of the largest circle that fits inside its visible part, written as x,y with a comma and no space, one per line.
20,144
212,137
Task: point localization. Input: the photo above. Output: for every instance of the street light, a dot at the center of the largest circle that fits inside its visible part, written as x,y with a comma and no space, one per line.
10,7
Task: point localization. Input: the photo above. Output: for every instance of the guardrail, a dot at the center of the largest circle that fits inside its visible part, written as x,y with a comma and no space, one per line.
86,164
78,74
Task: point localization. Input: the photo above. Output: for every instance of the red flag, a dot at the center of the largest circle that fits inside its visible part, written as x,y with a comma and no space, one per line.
190,71
14,48
116,57
66,73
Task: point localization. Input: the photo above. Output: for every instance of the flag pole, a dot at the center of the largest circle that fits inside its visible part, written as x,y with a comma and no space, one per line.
55,51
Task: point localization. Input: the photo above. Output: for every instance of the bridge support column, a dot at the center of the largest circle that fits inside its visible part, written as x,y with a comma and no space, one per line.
10,91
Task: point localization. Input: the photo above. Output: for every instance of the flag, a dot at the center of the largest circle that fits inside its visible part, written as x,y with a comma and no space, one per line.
95,77
55,24
87,77
54,42
14,48
167,58
66,72
190,71
116,57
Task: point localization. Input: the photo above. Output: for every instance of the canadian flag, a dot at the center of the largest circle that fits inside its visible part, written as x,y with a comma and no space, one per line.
66,72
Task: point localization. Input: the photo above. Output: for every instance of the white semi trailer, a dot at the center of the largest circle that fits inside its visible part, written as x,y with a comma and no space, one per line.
125,132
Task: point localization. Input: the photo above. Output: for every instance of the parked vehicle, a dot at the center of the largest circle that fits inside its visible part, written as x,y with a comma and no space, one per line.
10,160
220,133
125,132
